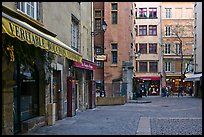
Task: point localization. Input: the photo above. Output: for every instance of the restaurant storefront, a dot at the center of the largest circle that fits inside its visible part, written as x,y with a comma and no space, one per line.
85,91
29,81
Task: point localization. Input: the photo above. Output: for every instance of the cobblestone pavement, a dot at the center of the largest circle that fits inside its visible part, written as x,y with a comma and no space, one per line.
163,116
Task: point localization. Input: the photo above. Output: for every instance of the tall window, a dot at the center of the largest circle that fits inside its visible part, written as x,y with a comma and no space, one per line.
143,30
143,12
75,33
153,66
152,30
167,66
178,49
153,48
114,13
167,48
98,19
143,66
114,53
29,8
168,30
143,48
153,13
168,12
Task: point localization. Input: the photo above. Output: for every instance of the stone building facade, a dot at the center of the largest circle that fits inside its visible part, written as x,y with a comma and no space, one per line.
177,16
147,45
48,56
117,46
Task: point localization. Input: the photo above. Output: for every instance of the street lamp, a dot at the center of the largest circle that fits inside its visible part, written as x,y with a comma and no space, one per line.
138,53
104,27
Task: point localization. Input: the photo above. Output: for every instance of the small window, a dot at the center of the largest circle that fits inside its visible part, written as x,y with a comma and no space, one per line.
153,66
114,57
143,48
99,64
153,48
168,30
153,30
114,46
168,12
114,6
143,12
143,30
167,48
143,66
167,66
153,13
178,48
29,8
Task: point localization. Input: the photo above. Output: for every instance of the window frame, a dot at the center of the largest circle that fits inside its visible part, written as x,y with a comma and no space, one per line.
168,12
167,48
143,48
153,29
143,29
168,66
75,34
152,48
114,13
178,49
143,67
142,12
153,10
168,31
153,66
114,53
24,9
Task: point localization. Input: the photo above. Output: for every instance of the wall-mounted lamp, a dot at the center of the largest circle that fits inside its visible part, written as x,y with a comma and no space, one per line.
173,80
104,27
138,54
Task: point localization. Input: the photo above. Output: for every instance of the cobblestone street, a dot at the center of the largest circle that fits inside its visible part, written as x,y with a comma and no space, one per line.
163,116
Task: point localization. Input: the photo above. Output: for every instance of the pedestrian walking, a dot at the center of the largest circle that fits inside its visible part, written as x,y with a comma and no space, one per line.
190,91
180,90
167,91
163,91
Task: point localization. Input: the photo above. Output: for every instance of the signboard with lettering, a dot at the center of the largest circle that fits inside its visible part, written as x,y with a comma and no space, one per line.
15,30
101,57
85,65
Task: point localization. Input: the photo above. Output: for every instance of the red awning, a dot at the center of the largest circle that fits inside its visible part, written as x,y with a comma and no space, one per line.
85,65
150,78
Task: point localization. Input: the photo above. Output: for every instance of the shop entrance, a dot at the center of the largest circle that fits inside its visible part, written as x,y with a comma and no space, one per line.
56,91
26,95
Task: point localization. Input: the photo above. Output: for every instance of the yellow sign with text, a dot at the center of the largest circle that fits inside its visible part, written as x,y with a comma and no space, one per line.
23,34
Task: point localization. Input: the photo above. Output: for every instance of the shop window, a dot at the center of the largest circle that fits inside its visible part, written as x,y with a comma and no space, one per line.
28,89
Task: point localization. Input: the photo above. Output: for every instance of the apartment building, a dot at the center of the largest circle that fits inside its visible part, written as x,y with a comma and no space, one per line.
117,47
100,57
177,42
196,78
147,45
47,63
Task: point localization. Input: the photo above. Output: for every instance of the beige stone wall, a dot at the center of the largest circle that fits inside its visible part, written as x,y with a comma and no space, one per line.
182,13
148,39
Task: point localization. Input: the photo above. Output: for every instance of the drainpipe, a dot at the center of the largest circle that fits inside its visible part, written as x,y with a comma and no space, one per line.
161,53
92,30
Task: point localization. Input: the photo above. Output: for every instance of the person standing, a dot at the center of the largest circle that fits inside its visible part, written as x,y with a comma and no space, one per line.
180,90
